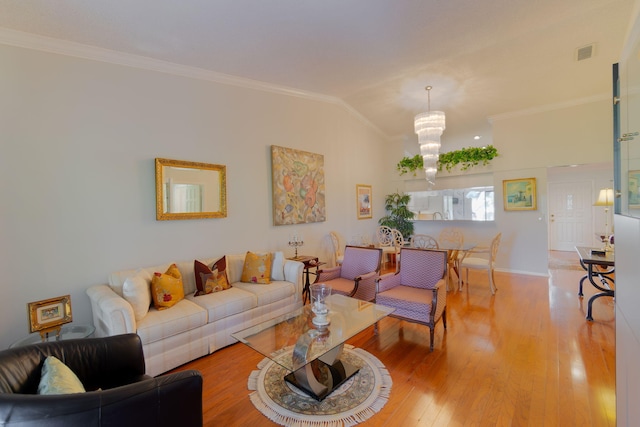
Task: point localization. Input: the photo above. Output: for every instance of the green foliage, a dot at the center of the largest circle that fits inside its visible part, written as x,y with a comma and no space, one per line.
466,157
398,214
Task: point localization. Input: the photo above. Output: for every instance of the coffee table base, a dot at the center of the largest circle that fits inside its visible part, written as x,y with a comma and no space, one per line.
318,379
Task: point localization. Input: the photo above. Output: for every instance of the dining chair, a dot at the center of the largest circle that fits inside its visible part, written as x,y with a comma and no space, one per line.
423,241
385,241
356,276
451,239
338,252
418,290
482,259
398,243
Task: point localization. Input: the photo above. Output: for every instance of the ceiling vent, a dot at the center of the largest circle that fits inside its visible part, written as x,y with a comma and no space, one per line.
585,52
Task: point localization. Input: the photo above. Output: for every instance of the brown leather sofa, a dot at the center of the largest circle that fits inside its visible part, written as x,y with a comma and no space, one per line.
112,370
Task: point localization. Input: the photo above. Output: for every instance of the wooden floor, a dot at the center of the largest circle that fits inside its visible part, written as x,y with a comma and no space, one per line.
524,357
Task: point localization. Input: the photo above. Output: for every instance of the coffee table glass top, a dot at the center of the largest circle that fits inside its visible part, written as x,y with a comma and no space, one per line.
348,317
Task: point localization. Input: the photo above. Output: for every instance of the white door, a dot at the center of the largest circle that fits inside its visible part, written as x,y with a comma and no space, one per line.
570,210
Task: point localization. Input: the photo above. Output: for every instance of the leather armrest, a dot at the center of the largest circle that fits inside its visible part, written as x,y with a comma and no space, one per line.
168,400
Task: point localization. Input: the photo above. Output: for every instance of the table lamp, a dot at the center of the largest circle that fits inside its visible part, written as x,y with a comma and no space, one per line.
605,198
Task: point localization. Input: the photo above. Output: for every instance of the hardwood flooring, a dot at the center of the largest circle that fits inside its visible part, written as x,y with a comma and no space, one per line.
524,357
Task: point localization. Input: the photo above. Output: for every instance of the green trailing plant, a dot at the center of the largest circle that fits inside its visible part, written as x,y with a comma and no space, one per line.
466,157
398,214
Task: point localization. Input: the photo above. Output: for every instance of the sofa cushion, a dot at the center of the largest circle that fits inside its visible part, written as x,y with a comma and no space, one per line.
137,291
257,268
166,288
275,291
222,304
210,279
57,378
160,324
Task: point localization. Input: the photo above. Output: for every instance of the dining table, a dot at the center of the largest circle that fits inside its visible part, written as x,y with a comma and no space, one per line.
455,253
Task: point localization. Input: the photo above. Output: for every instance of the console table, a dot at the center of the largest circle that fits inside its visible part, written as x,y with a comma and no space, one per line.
309,263
590,260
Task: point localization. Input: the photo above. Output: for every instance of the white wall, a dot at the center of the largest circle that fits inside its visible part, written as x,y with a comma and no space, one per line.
78,142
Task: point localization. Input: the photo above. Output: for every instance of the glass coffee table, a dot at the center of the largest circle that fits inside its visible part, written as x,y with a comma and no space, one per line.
315,366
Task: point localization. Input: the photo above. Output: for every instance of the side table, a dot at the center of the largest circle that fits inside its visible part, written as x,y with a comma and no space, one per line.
67,332
309,263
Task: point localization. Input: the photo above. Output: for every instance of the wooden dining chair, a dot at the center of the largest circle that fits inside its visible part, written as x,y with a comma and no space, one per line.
482,259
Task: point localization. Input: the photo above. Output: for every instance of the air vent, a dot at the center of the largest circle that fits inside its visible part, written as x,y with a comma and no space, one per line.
585,52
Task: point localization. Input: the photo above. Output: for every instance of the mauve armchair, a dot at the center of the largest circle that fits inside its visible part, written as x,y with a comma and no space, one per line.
357,275
418,289
112,370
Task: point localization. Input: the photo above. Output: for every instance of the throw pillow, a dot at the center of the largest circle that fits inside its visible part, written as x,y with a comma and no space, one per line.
257,268
166,288
137,292
212,279
57,378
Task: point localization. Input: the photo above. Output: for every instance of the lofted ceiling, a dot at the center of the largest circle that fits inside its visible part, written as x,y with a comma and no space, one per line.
483,58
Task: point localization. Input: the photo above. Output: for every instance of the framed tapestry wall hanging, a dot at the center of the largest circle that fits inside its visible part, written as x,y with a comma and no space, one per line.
297,179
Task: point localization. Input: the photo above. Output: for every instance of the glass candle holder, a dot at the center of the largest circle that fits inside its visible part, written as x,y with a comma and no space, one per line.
319,294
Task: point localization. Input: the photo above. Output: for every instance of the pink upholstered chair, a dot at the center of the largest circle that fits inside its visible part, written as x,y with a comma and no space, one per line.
357,275
418,289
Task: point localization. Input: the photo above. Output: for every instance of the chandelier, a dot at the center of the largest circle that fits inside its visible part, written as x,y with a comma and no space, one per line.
429,127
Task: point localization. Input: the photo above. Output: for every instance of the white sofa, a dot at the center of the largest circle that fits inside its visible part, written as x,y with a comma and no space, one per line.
196,326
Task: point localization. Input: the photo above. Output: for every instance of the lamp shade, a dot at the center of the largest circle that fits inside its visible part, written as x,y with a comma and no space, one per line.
605,198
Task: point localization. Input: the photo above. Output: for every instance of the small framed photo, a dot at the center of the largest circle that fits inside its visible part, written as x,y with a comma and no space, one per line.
49,313
634,189
363,201
519,194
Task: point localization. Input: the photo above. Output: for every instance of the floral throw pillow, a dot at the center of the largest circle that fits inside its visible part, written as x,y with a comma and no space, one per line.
257,268
166,288
212,279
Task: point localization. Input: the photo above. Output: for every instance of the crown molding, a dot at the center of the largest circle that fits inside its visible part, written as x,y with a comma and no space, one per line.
550,107
83,51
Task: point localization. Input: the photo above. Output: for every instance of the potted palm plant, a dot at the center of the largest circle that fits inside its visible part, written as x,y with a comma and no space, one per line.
398,214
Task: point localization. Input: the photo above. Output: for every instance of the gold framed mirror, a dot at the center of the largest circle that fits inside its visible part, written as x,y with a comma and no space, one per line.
190,190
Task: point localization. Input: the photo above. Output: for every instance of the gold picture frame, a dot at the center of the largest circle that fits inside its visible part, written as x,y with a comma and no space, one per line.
519,194
49,314
363,201
298,190
190,190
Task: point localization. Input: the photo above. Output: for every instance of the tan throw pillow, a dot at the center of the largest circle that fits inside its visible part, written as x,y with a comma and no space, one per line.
166,288
212,279
257,268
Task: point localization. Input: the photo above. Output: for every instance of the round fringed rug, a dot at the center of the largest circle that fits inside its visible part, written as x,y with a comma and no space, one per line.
355,401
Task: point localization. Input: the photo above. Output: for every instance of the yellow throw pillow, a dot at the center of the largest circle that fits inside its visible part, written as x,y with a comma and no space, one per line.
257,268
166,288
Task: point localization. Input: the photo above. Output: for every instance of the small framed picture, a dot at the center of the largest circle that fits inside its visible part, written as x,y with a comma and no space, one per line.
519,194
363,201
49,313
634,189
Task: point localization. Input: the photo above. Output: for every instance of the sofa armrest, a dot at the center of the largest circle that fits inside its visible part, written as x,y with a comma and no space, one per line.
365,288
112,314
329,273
293,273
387,281
169,400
